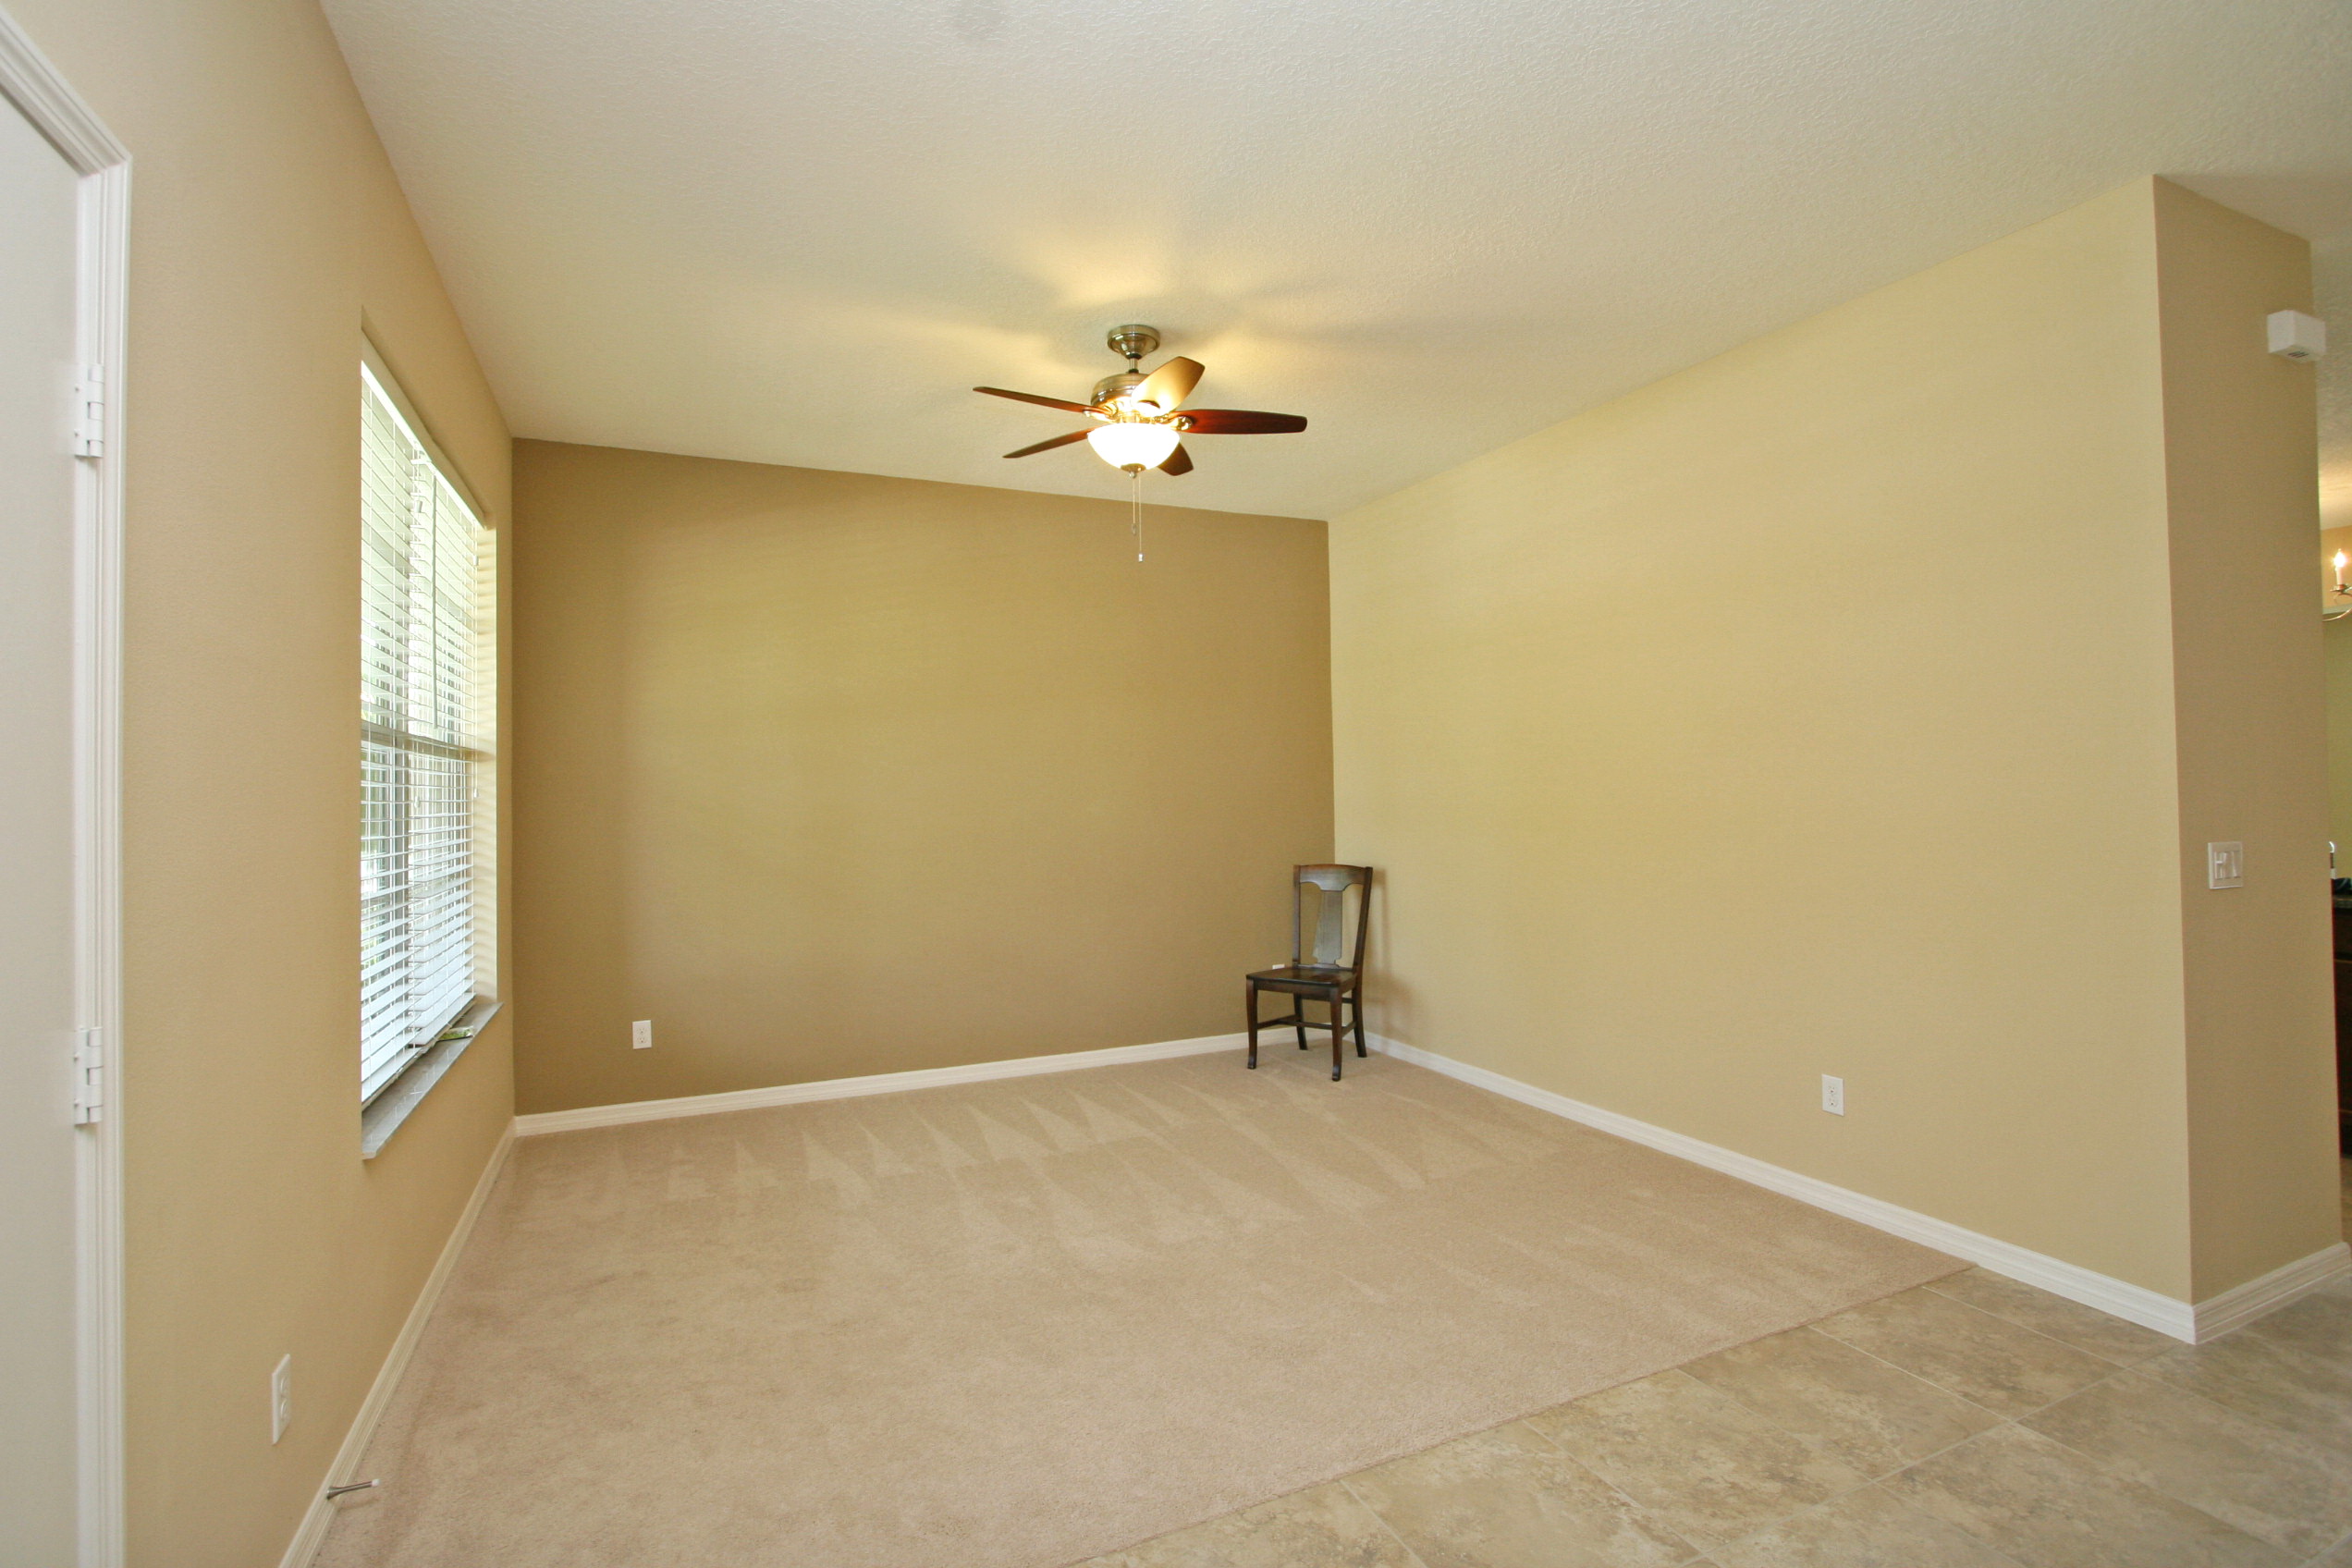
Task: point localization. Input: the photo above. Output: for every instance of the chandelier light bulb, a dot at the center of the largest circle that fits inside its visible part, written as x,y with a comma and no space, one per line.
1128,444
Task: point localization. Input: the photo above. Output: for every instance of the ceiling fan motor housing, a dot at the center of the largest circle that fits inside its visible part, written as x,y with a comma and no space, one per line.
1133,340
1111,387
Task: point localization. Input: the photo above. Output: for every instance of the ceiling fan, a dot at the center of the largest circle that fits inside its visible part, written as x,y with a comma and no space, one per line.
1138,421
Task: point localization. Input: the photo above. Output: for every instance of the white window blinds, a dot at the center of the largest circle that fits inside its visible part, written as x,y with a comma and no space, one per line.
424,713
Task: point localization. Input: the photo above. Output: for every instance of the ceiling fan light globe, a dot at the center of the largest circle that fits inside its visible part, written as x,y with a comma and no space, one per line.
1128,444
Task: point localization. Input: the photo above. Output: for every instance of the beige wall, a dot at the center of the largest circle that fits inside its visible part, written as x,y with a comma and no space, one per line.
2249,697
829,775
266,225
1812,712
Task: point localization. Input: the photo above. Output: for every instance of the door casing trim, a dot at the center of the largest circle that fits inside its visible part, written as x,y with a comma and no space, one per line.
103,164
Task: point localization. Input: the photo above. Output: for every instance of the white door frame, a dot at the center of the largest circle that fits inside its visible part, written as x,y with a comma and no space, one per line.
29,81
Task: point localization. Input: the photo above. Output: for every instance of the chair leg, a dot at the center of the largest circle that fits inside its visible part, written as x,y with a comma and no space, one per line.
1358,1000
1338,1039
1252,992
1298,1016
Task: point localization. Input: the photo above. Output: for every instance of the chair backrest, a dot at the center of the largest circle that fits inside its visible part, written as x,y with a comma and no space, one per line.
1321,905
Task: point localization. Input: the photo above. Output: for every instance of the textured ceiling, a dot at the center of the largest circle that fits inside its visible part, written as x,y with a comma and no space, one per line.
796,231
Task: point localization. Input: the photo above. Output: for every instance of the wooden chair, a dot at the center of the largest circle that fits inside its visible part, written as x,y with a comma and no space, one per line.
1332,970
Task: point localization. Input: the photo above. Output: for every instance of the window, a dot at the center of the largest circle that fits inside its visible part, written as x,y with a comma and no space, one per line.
427,704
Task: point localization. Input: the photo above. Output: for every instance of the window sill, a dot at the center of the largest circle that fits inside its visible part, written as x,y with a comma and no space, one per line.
383,1116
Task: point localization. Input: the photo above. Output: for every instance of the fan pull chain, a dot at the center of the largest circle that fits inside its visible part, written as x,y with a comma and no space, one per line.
1136,510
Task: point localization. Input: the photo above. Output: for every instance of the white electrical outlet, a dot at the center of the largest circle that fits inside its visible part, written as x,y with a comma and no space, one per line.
281,1397
1833,1094
2225,866
641,1035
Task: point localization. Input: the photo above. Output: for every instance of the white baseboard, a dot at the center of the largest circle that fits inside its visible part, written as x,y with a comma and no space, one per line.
312,1530
2234,1309
872,1084
2119,1298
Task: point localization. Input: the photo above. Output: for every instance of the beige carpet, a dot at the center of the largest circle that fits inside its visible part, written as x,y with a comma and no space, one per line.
1014,1325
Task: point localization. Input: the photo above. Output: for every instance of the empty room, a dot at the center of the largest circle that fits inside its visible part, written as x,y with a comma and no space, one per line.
1016,784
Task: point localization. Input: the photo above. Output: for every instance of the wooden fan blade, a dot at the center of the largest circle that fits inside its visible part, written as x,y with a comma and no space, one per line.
1241,421
1177,461
1050,446
1033,398
1171,384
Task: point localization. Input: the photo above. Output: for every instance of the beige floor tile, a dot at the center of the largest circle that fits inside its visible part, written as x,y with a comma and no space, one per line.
1509,1499
1875,1418
2110,1339
2050,1507
2270,1383
1179,1550
1864,1529
2340,1558
1321,1528
1704,1465
2008,1369
2320,1326
2261,1481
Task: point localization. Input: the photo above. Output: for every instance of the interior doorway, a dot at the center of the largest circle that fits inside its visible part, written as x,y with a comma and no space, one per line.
37,275
64,186
2337,634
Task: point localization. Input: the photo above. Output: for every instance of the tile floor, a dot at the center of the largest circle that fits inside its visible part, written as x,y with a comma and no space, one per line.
1972,1423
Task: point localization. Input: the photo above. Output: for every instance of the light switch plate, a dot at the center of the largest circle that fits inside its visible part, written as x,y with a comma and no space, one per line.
2225,866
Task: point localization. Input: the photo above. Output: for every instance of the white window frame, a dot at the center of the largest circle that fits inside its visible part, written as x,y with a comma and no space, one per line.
426,1045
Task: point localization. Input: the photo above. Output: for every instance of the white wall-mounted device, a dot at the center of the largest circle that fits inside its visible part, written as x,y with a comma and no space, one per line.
281,1396
2295,336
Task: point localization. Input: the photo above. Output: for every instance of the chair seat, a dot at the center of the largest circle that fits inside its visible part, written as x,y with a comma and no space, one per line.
1305,974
